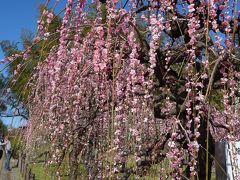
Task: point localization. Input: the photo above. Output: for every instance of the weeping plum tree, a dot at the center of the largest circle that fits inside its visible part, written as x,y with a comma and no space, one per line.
143,89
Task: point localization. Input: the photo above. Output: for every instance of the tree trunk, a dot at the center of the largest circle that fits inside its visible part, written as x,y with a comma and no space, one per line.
201,166
202,140
73,156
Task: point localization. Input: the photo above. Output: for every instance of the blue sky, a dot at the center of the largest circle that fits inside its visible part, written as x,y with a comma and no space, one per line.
16,15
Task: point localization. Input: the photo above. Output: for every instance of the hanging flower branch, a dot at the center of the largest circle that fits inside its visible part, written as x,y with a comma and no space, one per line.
134,87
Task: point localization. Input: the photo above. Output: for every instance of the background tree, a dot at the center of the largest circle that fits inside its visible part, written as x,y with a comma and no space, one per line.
28,63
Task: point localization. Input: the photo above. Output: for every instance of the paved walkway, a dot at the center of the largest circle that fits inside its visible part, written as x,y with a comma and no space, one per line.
4,175
7,175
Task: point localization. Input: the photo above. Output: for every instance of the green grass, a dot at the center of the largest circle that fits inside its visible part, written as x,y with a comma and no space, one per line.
48,172
41,173
18,174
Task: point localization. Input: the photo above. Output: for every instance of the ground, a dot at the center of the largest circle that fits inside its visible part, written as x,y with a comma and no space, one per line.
8,175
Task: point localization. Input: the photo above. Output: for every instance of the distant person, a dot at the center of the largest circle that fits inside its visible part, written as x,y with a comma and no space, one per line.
8,150
1,148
